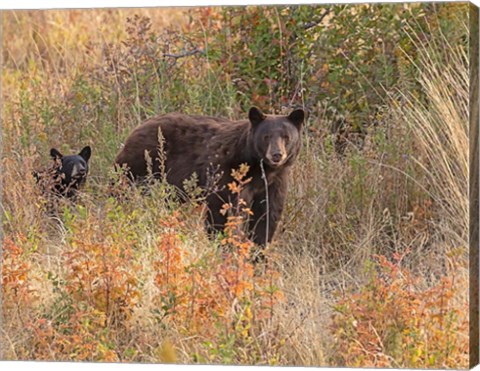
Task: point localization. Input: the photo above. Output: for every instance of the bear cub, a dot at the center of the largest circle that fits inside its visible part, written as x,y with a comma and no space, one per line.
211,147
66,174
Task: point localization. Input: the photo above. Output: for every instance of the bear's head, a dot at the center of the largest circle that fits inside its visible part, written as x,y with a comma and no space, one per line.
73,168
276,139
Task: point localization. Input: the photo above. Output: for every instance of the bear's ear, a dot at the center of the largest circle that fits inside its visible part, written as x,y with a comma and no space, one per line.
86,152
297,117
55,154
256,116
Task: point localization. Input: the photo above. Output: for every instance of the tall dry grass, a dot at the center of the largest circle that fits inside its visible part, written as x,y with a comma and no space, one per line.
441,126
413,203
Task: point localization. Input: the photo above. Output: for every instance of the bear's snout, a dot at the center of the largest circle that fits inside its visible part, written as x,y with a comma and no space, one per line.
276,152
276,157
79,171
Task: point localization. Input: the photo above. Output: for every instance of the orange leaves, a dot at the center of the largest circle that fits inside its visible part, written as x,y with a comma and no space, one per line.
208,295
171,276
239,176
234,187
394,321
15,269
95,296
16,288
79,338
112,298
103,276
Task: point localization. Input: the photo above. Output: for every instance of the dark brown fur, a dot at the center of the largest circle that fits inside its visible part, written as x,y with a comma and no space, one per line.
210,145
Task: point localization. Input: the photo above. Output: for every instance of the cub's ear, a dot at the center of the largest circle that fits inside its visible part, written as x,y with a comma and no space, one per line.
256,116
55,154
297,117
86,152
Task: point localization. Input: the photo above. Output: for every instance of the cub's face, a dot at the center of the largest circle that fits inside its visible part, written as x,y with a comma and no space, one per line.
73,167
277,139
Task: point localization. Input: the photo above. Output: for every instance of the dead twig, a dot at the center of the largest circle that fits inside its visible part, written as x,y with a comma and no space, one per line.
186,53
312,24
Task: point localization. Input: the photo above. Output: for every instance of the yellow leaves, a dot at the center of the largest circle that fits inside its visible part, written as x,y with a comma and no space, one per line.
166,352
43,137
240,173
105,354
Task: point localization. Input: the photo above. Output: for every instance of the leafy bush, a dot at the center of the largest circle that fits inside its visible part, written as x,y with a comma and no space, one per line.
395,321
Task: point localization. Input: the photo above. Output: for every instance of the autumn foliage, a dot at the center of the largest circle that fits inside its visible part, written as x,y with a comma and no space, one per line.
393,320
91,314
369,264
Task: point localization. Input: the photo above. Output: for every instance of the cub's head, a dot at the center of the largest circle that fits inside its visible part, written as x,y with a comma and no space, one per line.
276,139
74,168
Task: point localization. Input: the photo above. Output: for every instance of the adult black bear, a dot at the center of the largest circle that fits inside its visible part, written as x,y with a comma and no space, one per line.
66,174
206,145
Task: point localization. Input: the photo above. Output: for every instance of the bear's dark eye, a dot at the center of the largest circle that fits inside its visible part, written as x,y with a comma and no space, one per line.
266,138
286,138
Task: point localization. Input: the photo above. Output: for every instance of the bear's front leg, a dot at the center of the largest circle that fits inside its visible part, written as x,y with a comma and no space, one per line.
215,220
266,215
